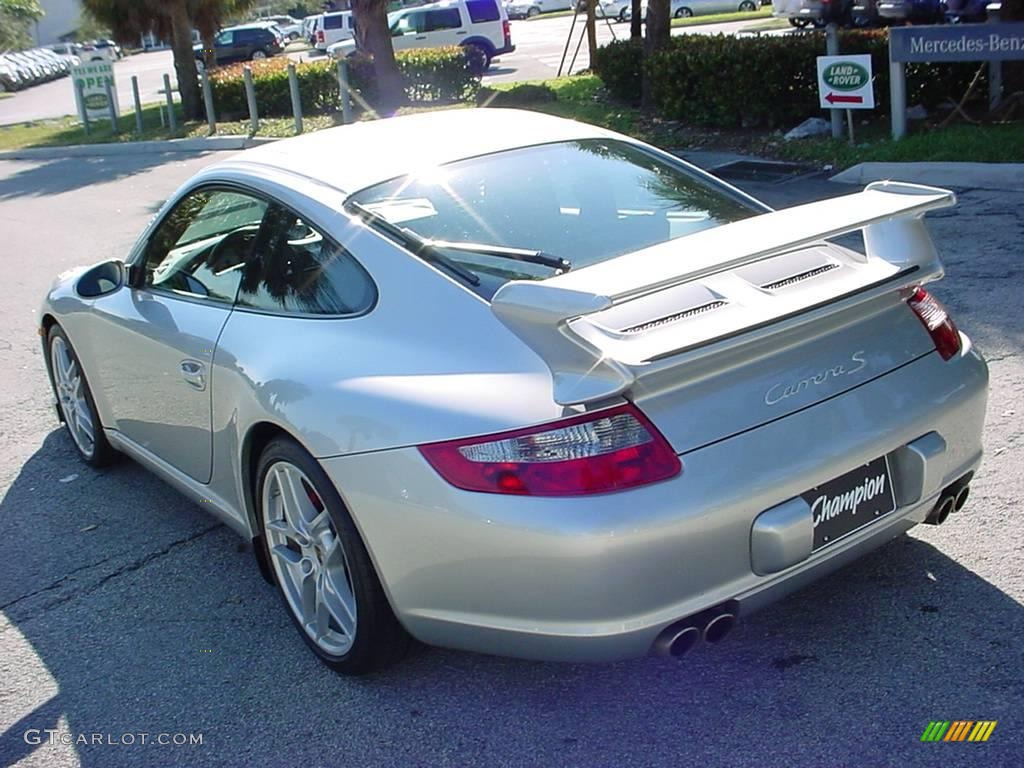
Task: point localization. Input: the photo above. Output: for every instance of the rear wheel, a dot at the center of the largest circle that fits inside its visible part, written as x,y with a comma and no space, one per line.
321,566
74,399
258,54
746,6
479,59
534,11
684,13
799,23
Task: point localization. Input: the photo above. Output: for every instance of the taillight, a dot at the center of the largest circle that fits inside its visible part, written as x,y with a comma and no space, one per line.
320,36
506,31
936,320
595,453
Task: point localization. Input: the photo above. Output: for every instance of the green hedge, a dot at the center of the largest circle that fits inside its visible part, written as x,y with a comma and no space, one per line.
430,74
724,81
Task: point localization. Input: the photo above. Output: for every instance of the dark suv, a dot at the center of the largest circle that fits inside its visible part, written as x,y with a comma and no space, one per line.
244,42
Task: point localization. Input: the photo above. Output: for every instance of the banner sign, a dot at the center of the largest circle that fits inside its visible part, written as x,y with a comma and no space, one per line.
1003,41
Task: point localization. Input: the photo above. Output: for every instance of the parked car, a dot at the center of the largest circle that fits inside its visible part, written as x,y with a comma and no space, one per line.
309,29
254,41
10,79
523,386
914,11
331,28
290,27
522,9
802,13
481,26
622,10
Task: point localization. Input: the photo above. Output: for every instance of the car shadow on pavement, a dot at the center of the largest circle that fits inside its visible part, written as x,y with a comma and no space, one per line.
127,610
66,174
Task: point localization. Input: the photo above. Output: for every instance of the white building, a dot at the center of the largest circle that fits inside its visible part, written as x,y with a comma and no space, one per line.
62,17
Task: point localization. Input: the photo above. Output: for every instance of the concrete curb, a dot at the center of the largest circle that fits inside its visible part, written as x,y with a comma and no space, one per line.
1009,176
208,144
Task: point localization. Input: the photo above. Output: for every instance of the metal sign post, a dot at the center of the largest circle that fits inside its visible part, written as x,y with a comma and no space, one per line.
832,49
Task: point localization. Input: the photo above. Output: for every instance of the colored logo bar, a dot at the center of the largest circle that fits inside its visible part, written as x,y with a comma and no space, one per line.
959,730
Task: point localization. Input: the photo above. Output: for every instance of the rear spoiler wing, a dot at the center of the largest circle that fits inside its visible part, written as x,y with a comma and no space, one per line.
890,214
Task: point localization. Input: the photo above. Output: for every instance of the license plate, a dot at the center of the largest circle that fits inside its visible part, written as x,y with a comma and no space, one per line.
851,501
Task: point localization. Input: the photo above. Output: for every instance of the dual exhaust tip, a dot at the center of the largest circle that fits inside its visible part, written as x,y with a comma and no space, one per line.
952,499
711,626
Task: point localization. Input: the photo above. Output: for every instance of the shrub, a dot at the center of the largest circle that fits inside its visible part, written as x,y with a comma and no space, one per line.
725,81
430,74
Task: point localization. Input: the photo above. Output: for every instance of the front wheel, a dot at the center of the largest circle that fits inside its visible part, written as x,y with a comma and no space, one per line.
74,399
684,13
534,11
747,6
799,23
258,55
329,585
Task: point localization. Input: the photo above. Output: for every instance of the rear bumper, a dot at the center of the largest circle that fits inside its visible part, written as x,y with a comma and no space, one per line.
598,578
507,49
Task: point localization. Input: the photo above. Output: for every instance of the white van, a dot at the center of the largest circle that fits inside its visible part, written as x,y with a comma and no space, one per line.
481,25
332,28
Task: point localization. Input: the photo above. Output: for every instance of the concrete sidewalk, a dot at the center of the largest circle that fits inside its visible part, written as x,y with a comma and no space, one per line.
1008,176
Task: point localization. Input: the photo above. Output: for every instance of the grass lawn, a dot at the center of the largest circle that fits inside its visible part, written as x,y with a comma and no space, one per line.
722,18
995,143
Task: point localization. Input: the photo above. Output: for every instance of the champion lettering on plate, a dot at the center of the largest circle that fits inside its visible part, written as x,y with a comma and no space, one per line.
826,507
848,502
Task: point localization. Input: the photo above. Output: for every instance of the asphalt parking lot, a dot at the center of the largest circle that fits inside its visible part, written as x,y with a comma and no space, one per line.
126,610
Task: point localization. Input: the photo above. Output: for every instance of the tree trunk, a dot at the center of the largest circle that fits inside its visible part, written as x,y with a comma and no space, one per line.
592,30
636,21
656,37
374,37
185,61
210,49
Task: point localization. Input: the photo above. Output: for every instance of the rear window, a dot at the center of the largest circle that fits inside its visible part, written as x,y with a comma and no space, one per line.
482,10
582,201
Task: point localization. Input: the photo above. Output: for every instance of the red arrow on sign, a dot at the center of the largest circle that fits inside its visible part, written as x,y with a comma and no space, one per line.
832,98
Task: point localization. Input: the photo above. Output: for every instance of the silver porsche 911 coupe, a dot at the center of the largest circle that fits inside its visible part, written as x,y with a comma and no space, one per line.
514,384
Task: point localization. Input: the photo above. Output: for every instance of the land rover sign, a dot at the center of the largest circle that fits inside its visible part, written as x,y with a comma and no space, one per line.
90,80
844,82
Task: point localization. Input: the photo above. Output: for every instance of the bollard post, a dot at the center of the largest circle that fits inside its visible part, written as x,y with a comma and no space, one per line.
138,104
898,96
250,98
112,109
172,120
211,117
343,90
293,86
83,111
832,49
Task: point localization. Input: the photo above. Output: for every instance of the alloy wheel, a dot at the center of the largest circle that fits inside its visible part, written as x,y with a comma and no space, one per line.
74,404
309,558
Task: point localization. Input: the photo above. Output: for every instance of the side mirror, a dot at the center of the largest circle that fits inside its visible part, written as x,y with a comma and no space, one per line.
102,279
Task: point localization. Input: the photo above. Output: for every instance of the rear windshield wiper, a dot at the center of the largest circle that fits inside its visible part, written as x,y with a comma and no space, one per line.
503,252
413,242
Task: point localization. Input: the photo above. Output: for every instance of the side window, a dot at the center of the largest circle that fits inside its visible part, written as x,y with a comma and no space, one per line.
297,269
199,249
225,38
410,22
482,10
334,22
442,18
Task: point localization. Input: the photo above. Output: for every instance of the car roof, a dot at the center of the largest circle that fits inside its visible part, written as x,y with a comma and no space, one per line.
353,157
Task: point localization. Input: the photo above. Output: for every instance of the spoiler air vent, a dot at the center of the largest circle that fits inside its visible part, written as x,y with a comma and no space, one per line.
675,317
800,277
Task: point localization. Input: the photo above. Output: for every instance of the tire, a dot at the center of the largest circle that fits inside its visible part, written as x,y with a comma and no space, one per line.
684,13
75,405
478,57
799,23
323,553
747,6
819,23
533,11
623,16
258,55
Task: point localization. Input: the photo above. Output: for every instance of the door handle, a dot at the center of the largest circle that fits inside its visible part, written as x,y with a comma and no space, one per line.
193,372
422,37
461,32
